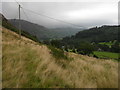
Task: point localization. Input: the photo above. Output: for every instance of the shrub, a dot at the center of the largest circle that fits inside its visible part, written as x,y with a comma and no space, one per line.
57,53
85,48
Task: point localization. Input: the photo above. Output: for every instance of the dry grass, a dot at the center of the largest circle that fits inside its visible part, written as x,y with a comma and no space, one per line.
27,64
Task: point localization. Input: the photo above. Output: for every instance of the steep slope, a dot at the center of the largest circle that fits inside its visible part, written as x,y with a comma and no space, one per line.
30,64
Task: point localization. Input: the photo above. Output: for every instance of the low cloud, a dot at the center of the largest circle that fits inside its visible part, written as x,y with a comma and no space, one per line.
86,14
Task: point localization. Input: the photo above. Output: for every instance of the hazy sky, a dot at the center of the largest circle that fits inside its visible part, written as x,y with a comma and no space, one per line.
86,14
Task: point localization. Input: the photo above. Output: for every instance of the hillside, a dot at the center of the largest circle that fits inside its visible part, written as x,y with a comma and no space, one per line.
64,32
5,23
29,64
39,31
96,34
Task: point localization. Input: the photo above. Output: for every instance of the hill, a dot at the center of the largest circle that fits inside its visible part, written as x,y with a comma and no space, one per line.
104,38
39,31
43,33
96,34
64,32
5,23
28,64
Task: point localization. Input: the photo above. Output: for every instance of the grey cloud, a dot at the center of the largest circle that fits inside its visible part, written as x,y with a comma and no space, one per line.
57,10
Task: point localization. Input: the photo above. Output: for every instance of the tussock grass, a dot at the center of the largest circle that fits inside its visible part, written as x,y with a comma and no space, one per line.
27,64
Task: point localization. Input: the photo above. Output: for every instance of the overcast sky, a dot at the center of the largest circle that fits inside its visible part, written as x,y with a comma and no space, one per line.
86,14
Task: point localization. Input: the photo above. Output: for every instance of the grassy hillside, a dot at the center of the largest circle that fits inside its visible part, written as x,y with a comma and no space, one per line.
29,64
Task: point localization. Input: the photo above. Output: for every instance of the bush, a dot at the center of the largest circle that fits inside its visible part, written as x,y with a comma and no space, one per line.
57,53
56,43
85,48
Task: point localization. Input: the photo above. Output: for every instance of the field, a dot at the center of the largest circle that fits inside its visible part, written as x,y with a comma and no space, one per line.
111,55
106,43
27,64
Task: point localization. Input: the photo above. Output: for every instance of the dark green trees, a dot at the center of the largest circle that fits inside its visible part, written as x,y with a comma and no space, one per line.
85,48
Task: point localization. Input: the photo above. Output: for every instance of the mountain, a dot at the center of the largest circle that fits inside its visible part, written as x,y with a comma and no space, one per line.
43,33
96,34
63,32
39,31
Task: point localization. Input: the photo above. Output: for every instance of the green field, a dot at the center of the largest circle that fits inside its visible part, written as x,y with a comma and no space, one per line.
106,43
111,55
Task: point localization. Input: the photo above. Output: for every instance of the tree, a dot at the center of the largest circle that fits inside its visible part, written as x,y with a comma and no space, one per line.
115,47
85,48
46,42
56,43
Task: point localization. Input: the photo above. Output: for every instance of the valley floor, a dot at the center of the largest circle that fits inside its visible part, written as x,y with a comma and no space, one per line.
26,63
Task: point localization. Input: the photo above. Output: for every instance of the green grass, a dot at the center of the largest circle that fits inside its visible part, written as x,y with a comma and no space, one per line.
111,55
106,43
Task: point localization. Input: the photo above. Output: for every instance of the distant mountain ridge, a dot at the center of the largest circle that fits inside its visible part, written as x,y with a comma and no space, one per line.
39,31
63,32
43,33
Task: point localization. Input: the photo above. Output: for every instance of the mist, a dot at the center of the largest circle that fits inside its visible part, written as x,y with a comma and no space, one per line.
50,14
